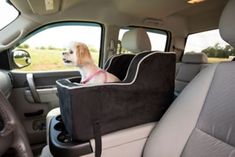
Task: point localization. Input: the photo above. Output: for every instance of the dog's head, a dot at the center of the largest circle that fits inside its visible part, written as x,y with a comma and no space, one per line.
77,55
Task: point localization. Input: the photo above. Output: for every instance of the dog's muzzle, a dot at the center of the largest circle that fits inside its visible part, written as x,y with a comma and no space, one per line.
67,61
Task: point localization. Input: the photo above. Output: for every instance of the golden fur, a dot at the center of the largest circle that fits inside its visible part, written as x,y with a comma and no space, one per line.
80,56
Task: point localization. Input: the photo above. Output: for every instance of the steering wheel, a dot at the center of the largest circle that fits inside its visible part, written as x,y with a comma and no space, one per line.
12,135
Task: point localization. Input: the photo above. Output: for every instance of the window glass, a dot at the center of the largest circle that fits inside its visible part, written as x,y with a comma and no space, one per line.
157,38
9,10
46,46
211,44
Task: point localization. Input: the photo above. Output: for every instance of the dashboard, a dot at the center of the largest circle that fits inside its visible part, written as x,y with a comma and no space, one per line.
5,83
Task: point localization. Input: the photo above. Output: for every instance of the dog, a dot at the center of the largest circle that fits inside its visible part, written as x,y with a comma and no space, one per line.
80,56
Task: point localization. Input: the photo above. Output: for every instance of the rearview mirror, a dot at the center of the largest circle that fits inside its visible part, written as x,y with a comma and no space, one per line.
21,58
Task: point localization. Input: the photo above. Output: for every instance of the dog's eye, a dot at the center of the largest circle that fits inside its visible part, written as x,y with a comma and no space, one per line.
71,52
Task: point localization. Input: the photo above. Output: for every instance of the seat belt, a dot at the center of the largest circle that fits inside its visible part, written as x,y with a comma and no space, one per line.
97,130
98,142
120,46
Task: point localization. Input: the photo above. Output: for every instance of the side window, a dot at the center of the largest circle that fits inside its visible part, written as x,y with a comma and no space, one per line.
211,44
47,44
157,38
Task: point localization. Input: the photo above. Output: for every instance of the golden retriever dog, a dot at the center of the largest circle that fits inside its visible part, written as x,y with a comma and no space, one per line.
80,56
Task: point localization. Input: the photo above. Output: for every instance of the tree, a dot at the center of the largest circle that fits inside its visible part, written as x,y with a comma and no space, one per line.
24,46
218,51
51,48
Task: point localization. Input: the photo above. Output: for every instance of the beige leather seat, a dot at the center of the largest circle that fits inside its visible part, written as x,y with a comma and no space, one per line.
136,40
191,65
201,121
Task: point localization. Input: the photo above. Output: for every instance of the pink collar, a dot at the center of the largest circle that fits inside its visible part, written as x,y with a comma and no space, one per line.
94,74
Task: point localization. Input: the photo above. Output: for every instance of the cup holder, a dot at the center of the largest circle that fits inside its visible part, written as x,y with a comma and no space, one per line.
64,138
61,143
59,118
59,126
63,135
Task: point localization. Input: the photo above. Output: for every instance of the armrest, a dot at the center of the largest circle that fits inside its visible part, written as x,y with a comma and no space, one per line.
126,143
125,136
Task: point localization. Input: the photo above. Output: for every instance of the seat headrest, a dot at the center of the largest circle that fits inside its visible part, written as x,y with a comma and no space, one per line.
227,23
195,58
136,40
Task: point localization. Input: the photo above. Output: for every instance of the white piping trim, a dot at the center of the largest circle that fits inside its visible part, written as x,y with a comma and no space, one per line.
110,60
141,60
137,65
118,84
115,56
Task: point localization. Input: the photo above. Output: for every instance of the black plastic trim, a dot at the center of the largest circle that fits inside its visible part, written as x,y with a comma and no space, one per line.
4,60
33,114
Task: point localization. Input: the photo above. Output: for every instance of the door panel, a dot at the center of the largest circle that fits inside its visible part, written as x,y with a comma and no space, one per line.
34,93
43,79
46,95
31,113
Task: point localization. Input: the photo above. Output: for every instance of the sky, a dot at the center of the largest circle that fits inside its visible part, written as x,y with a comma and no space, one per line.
199,41
62,36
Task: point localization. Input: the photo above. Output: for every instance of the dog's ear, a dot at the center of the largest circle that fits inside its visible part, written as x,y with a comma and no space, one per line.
83,54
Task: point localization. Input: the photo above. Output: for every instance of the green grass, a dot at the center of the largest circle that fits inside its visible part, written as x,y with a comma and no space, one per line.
49,60
217,60
20,61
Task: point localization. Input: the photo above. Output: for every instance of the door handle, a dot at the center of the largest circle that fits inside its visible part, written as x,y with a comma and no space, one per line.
32,88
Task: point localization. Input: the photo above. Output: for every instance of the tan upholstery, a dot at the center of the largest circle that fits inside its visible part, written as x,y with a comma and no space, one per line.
192,64
136,40
172,132
227,23
195,58
200,122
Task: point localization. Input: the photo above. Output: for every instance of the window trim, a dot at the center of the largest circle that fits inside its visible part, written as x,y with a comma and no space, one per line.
63,23
155,30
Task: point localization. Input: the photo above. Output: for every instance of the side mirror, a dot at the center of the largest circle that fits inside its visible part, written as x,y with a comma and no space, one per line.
21,58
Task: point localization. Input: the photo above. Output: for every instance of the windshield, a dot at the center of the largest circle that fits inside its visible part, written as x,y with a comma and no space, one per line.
7,13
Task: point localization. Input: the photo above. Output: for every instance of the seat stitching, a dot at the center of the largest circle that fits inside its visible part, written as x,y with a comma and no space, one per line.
214,137
201,108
